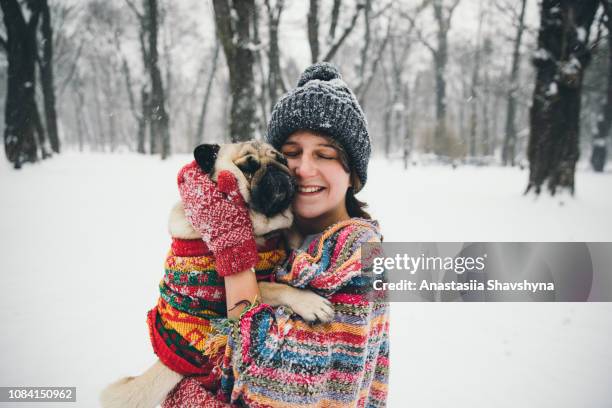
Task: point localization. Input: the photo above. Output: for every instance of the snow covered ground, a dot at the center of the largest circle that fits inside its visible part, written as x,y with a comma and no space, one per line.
84,239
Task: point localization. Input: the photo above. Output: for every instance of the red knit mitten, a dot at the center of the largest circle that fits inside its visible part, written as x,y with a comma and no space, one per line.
190,393
219,213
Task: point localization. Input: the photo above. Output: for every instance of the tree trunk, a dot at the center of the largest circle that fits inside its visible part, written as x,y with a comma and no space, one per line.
387,110
334,20
509,146
139,117
159,120
235,37
275,80
600,149
407,140
262,97
100,134
486,116
560,62
440,58
21,114
366,76
78,101
202,118
143,120
474,86
313,30
46,76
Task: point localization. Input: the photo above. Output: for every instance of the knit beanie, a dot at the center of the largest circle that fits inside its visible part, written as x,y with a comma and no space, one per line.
322,102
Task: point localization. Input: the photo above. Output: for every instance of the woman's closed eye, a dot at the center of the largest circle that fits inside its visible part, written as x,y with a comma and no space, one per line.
326,156
291,153
329,154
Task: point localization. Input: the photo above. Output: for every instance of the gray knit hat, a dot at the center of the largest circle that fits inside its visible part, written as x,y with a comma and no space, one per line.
322,102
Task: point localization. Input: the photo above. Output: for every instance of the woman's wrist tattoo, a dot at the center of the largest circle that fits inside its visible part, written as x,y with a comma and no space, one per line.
245,302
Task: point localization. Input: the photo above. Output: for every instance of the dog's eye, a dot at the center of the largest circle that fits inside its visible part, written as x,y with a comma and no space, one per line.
281,159
249,165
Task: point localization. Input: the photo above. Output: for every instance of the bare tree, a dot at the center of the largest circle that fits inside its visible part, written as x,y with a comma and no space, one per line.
275,78
199,136
600,151
560,60
509,146
159,117
487,91
475,83
261,94
46,74
443,14
139,115
153,98
368,65
234,20
22,120
313,29
334,43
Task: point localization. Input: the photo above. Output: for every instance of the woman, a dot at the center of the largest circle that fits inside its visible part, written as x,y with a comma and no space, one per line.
274,358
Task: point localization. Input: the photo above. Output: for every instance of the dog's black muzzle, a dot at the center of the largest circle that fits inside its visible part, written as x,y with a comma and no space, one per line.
273,192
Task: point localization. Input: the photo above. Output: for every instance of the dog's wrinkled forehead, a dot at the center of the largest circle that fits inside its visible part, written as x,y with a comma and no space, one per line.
245,160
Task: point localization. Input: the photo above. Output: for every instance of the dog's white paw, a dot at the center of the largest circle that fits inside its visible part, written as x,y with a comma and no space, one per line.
310,306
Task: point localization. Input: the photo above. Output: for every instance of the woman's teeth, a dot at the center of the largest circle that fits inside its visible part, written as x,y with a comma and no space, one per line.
310,189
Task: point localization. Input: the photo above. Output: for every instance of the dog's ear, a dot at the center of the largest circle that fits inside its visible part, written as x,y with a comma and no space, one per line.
206,156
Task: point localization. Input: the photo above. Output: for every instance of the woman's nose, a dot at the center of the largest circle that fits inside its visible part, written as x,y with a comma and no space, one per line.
305,168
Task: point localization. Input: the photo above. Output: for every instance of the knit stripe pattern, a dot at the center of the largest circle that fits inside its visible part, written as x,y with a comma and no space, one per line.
278,360
183,326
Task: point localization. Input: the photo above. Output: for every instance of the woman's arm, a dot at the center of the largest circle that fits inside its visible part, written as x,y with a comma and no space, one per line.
278,359
241,290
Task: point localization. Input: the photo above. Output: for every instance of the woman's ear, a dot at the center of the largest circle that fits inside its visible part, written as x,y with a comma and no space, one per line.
206,156
354,181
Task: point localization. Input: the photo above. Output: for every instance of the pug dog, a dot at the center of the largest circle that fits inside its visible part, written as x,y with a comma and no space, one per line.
267,186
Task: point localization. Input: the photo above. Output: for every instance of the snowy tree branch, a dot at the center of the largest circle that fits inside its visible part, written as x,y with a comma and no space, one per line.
330,54
133,7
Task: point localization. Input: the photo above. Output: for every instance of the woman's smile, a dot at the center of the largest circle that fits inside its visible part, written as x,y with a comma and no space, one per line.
321,178
310,190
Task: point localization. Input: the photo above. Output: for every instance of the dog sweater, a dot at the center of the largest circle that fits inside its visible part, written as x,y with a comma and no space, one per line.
183,325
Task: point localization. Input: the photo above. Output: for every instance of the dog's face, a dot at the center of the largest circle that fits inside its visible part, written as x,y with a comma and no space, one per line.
264,180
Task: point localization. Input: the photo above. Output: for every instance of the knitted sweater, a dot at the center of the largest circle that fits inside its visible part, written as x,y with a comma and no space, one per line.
275,359
183,325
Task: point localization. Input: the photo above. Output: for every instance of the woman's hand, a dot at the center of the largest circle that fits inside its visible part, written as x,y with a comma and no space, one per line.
219,213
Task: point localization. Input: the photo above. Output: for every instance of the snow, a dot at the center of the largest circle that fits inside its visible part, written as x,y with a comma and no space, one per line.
84,238
398,107
541,54
571,67
599,142
581,34
552,89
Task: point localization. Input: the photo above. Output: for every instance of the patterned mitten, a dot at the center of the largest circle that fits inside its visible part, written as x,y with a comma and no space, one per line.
219,213
190,393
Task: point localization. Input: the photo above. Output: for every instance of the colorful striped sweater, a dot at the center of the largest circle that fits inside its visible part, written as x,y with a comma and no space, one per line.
182,326
280,360
275,359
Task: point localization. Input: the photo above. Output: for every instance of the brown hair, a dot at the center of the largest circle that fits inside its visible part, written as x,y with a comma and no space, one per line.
354,207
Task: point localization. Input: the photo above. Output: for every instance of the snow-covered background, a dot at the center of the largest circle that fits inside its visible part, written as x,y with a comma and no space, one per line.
84,239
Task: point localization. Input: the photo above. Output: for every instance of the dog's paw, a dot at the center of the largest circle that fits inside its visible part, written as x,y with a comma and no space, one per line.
310,306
